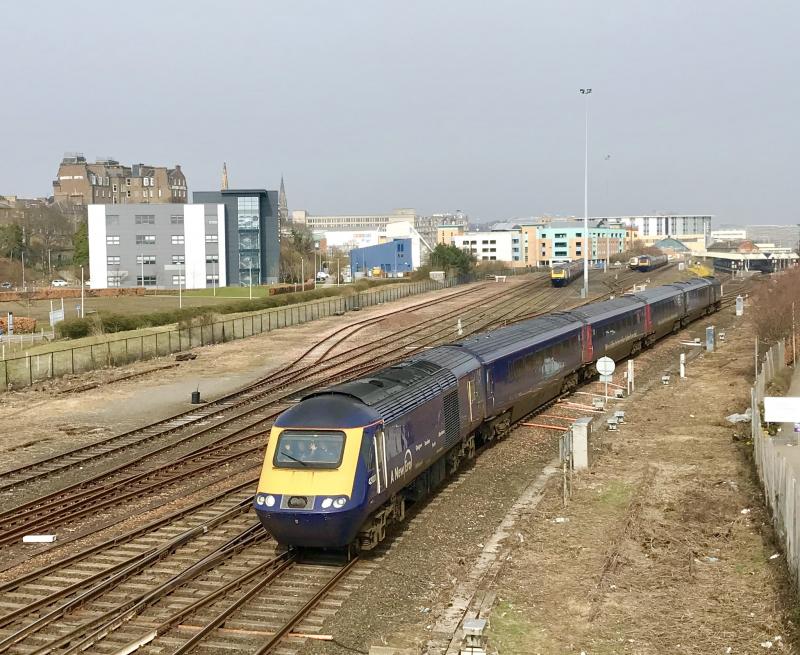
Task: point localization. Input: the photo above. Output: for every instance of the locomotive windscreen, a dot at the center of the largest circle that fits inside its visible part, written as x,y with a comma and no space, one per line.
319,449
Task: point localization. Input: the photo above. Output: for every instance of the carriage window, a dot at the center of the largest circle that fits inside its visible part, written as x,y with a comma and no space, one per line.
315,449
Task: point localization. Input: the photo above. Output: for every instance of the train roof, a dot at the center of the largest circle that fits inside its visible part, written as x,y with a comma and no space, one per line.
489,346
598,311
453,358
694,283
655,294
567,264
329,411
396,389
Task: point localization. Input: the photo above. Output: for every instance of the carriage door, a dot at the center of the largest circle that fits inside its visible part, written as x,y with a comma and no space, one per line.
489,389
379,443
588,346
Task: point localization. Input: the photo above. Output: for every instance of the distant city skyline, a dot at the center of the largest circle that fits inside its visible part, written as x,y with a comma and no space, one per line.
369,107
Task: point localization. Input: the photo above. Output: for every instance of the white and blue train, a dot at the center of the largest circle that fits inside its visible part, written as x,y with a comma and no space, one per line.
341,465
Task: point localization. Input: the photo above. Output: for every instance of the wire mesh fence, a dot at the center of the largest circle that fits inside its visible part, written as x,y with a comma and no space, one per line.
29,369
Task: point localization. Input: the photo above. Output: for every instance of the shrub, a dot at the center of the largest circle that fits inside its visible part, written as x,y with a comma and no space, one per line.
109,322
73,328
772,305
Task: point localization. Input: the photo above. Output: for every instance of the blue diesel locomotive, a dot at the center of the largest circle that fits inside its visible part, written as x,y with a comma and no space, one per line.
341,465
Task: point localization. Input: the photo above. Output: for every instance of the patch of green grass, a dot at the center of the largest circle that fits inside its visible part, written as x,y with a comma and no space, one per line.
616,494
510,631
228,292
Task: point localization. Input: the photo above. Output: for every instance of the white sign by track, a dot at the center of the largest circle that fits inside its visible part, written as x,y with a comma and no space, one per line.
605,366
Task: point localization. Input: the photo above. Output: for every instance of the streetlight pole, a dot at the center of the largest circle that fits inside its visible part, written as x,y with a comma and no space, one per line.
586,92
22,252
794,341
250,280
180,285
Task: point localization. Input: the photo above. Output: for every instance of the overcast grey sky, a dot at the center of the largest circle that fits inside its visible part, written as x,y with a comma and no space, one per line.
371,105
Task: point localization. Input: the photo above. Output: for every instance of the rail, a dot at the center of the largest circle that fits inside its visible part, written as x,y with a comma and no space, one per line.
29,369
245,440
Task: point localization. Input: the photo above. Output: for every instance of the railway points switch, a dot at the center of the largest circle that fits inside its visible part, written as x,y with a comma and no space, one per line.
619,393
612,423
620,416
598,403
665,379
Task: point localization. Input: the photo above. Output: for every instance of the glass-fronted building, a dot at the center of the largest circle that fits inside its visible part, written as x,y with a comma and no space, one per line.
252,233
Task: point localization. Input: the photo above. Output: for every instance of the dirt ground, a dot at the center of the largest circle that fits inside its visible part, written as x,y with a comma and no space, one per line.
667,546
656,555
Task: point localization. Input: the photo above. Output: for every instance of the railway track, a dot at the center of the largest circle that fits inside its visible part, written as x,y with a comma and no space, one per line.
243,445
206,577
174,587
157,430
160,559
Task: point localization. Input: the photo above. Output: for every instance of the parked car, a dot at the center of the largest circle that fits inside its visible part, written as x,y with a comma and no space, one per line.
60,283
5,285
322,276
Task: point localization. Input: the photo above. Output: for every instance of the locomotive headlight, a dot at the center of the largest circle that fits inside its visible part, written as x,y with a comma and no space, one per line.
327,502
339,502
269,501
259,500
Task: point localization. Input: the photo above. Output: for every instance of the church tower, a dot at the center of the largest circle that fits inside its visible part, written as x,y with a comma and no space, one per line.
283,208
224,176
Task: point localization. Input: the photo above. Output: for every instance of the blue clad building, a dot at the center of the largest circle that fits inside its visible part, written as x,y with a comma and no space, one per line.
393,258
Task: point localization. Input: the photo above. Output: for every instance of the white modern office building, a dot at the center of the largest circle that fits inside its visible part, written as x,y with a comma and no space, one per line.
693,230
489,246
163,246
